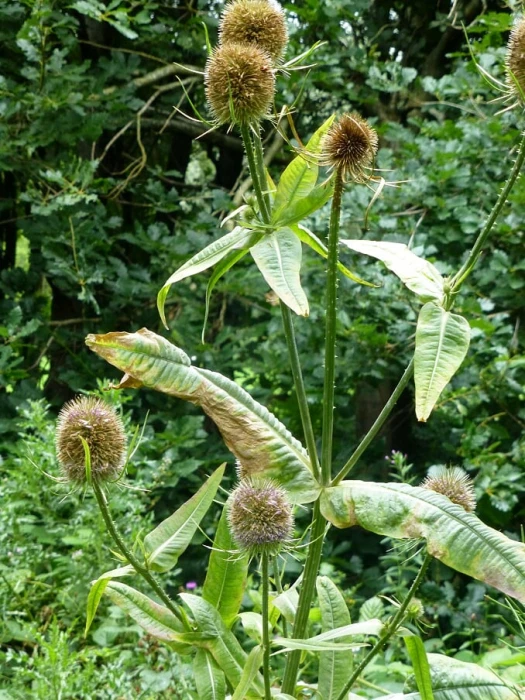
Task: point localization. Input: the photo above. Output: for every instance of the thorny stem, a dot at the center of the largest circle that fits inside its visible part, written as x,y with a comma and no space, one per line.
469,264
313,560
330,329
279,588
265,622
389,630
117,538
254,154
378,424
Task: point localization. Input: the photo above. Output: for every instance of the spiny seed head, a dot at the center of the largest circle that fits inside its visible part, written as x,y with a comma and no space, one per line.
260,516
256,22
415,609
515,60
240,83
454,483
350,146
102,429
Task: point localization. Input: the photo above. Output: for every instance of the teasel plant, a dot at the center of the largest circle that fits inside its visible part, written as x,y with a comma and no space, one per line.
277,474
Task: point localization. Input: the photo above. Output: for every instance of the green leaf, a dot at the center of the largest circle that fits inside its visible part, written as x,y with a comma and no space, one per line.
97,591
313,646
418,656
238,239
222,268
226,650
249,672
227,573
316,244
325,640
278,257
263,446
302,208
442,341
209,679
300,176
457,538
164,545
420,276
336,666
287,601
458,680
156,619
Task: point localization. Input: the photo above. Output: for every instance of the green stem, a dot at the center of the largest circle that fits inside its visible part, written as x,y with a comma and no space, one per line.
117,538
378,424
258,185
390,629
330,329
279,588
300,390
313,560
259,162
265,623
472,259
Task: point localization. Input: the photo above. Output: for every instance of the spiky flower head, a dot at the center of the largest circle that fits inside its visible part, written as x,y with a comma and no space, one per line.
454,483
415,609
350,146
240,84
260,516
256,22
98,423
515,60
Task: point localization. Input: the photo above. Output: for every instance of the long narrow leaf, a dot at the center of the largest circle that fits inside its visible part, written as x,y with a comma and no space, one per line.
164,545
455,537
418,656
263,446
97,591
209,678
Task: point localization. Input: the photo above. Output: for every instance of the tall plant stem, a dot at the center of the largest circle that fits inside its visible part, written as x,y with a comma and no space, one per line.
378,424
474,254
121,545
330,328
313,560
265,622
390,629
254,154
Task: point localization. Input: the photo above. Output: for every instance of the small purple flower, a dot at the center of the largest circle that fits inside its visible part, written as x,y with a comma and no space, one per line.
191,585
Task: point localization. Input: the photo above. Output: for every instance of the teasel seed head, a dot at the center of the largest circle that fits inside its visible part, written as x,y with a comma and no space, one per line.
350,146
256,22
240,84
98,423
260,517
515,59
415,609
454,483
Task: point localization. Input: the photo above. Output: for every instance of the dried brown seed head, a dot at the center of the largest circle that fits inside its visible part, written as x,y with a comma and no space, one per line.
240,84
100,426
256,22
350,146
515,60
260,517
454,483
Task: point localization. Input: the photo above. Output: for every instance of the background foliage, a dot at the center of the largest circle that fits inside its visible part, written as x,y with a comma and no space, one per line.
105,191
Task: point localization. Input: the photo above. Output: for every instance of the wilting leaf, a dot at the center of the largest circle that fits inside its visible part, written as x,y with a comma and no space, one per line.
335,666
164,545
420,276
458,680
442,341
455,537
227,572
278,257
263,446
